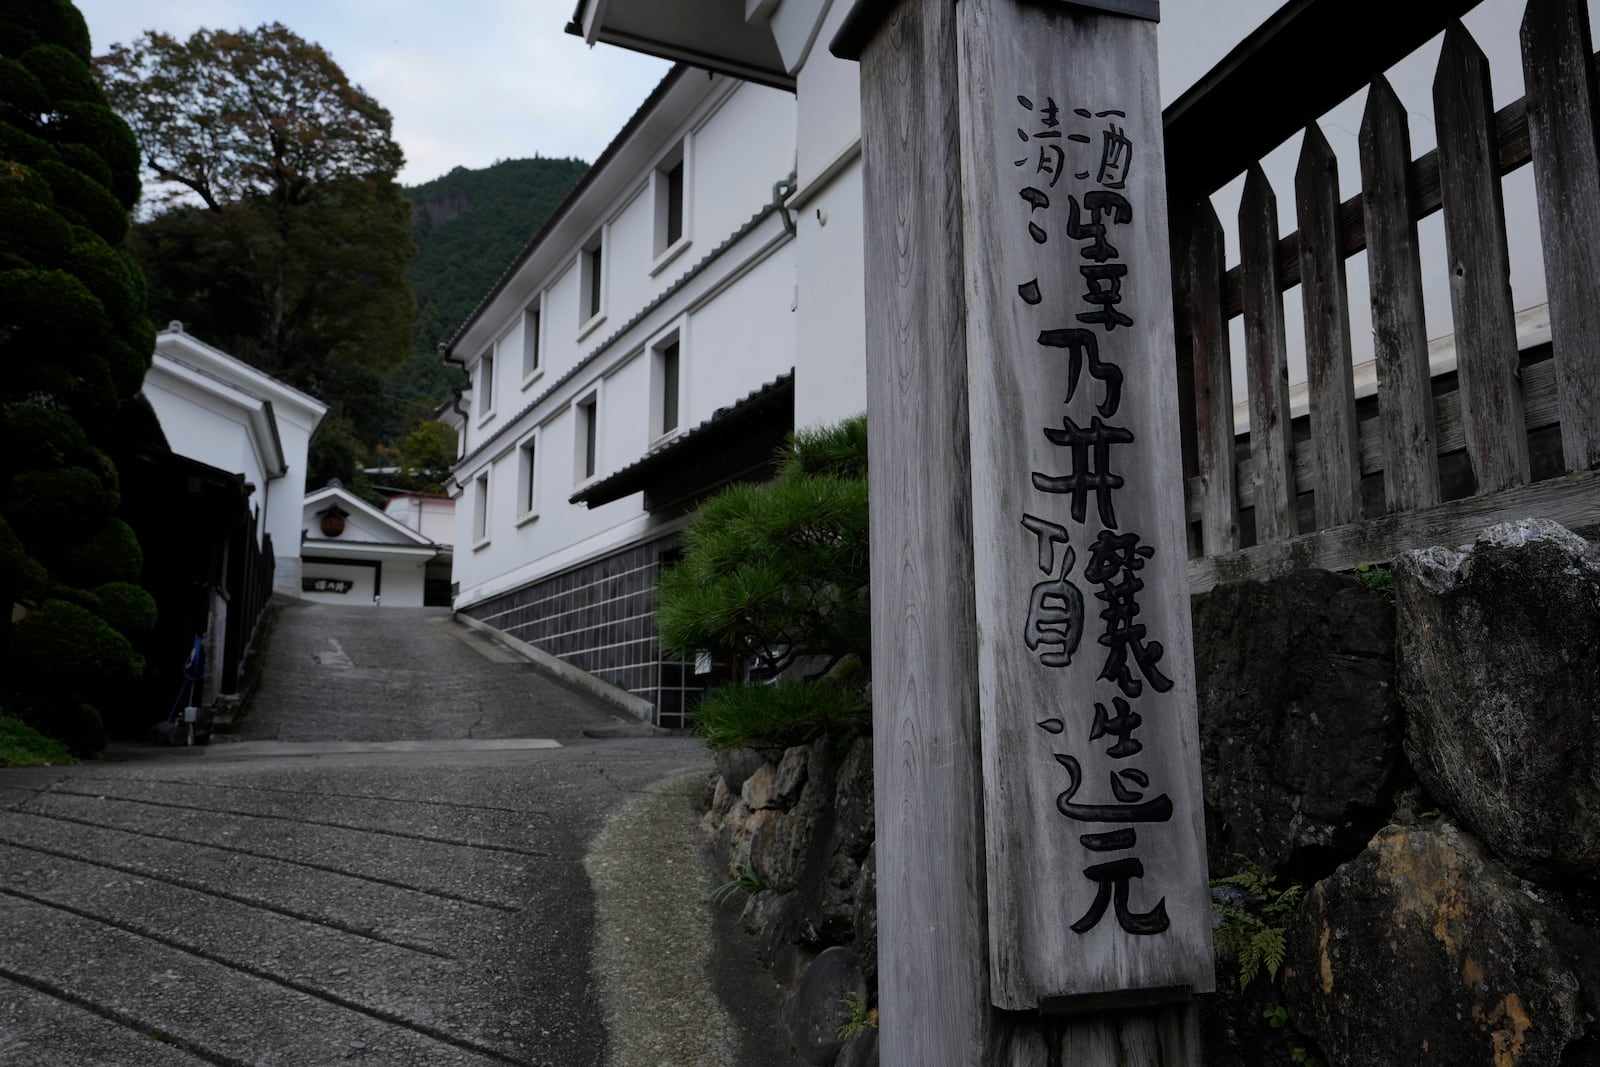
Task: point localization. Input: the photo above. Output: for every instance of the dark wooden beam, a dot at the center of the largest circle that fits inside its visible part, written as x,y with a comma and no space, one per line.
1300,63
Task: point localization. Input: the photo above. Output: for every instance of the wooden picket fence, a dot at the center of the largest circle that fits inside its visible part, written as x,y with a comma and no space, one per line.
1247,494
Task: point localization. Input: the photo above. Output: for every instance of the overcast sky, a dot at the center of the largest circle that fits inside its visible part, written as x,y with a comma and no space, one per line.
473,81
468,81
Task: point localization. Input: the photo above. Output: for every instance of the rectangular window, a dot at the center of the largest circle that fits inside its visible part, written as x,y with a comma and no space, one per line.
486,384
480,508
675,203
527,468
588,436
667,392
593,279
530,342
671,208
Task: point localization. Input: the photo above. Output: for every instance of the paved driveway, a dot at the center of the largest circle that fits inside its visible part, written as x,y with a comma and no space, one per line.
422,903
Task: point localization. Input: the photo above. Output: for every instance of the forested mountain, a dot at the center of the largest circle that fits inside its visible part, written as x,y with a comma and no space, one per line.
469,225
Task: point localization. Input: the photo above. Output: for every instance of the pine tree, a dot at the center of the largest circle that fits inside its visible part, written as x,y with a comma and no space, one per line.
774,582
75,343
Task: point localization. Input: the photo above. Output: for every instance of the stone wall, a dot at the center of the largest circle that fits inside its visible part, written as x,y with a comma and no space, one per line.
1422,761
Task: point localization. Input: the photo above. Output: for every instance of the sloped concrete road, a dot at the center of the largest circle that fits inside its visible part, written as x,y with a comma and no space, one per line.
304,899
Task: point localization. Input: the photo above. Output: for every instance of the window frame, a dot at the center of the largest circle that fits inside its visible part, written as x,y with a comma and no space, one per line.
481,485
671,341
592,282
586,437
528,480
484,387
665,247
533,341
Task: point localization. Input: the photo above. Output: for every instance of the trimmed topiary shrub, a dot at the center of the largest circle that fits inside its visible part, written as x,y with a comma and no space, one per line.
61,651
22,578
23,746
127,607
109,553
75,341
66,502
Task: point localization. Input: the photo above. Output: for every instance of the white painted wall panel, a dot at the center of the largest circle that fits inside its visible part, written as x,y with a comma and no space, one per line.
403,583
747,145
742,339
831,375
629,253
828,98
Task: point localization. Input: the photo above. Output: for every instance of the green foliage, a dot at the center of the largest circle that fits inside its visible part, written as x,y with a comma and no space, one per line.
469,226
781,714
229,115
1252,934
838,451
283,238
64,502
30,22
32,435
1375,576
1302,1055
128,608
74,344
423,460
748,884
777,573
63,650
108,553
22,578
774,577
861,1016
23,746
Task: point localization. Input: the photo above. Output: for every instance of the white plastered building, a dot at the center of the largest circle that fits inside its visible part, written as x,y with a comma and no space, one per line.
221,411
642,351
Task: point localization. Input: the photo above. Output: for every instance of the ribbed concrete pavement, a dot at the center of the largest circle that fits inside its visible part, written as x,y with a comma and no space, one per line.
425,903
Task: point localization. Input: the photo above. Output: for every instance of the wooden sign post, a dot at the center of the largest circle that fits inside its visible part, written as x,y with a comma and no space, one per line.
1041,855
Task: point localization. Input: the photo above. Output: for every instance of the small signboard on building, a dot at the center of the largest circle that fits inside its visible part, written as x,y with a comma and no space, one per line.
326,585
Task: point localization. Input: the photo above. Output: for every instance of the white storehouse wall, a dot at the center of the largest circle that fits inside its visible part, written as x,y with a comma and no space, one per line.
732,319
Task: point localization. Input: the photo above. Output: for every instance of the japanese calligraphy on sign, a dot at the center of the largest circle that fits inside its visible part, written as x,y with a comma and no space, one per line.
1095,841
326,585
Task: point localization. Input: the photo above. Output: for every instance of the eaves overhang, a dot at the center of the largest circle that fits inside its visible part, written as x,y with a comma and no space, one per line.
317,546
772,405
719,35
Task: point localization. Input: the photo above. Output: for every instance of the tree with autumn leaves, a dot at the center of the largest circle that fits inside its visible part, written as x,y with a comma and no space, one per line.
279,233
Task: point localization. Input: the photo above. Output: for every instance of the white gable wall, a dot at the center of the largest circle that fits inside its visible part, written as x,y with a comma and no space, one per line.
197,426
221,411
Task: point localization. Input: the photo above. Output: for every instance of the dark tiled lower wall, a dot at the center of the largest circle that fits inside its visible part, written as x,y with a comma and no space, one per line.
601,618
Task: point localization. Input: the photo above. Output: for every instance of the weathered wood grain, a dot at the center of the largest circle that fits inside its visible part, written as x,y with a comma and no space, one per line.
1399,334
1479,265
1326,298
1266,359
1572,500
1566,169
1511,133
1202,270
1541,410
1045,359
932,957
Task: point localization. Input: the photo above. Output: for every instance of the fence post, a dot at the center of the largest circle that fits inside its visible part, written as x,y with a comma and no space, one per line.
1040,850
